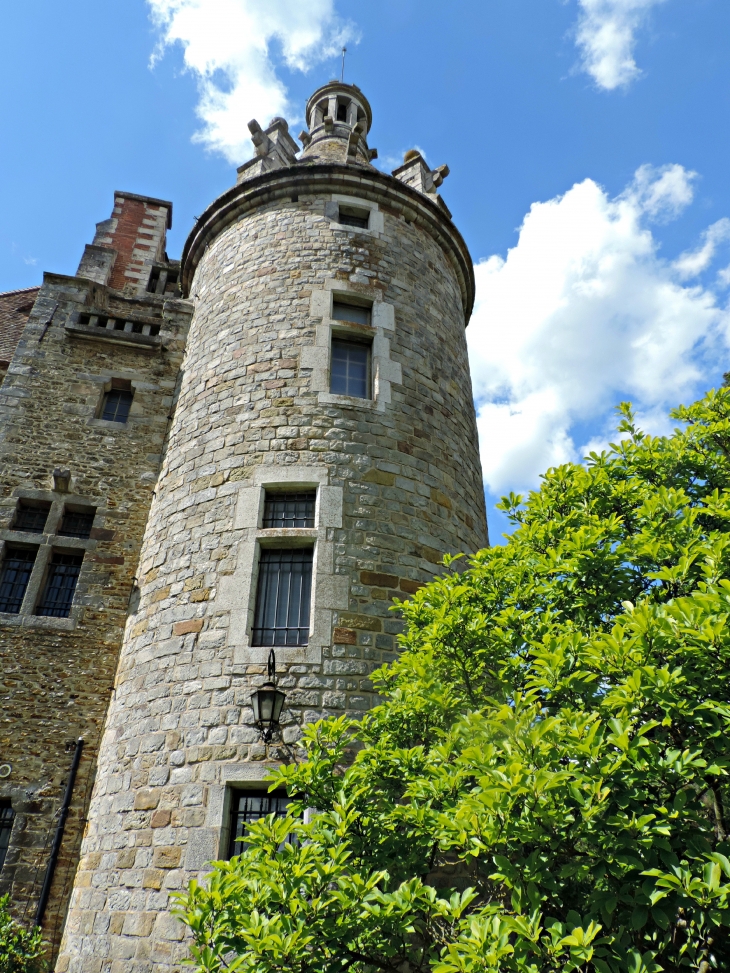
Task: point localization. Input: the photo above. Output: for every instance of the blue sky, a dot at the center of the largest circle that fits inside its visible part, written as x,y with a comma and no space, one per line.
587,140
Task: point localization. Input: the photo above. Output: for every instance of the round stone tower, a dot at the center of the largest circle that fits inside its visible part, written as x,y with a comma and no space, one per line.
322,459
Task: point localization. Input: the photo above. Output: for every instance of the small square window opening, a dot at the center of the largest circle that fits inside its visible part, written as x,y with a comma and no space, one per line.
63,573
350,216
289,509
350,370
117,403
31,517
14,577
6,826
77,523
357,313
283,597
249,806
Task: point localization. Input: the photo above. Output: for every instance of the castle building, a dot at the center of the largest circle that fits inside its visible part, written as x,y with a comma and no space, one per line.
258,447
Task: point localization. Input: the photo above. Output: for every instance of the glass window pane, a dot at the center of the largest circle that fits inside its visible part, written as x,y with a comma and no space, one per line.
289,509
63,573
30,518
350,312
14,577
249,806
283,598
76,523
117,404
350,365
6,826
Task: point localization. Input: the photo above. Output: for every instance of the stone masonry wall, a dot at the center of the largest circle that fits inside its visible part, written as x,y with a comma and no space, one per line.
57,674
15,308
400,485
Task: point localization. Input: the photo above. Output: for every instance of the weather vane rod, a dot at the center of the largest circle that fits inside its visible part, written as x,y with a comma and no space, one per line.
342,76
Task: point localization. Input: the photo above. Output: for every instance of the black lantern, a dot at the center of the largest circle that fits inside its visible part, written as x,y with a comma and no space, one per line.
268,702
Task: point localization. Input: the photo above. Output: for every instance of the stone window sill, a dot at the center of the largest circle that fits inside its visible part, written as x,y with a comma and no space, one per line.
329,398
38,621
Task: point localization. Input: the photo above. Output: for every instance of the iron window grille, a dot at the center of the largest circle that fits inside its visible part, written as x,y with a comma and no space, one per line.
117,403
77,523
357,313
16,568
350,370
283,597
31,518
289,509
63,573
349,216
7,814
249,806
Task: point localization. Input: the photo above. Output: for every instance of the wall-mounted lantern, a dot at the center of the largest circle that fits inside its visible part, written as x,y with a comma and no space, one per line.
268,702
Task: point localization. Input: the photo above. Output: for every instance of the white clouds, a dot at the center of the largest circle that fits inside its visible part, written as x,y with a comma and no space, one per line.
693,262
584,312
606,36
228,46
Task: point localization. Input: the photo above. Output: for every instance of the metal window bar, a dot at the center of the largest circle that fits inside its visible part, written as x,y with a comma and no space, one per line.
289,509
31,519
350,367
117,404
7,814
58,594
356,313
249,806
283,598
16,568
77,523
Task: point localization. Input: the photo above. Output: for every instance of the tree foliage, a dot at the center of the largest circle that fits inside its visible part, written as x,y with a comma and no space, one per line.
21,950
544,787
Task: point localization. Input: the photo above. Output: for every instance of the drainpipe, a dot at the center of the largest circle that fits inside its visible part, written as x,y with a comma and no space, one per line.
58,837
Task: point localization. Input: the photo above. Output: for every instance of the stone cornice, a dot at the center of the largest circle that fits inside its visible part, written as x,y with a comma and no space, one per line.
317,178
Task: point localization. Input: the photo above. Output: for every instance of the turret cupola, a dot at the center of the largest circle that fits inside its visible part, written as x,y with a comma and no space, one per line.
339,118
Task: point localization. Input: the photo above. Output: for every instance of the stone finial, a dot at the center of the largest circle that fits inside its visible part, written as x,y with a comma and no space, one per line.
274,148
61,480
416,173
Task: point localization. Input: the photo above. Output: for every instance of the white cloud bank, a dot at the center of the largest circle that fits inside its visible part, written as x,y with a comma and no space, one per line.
584,312
228,45
606,35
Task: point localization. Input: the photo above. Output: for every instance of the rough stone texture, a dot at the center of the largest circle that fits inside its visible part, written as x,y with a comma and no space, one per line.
404,486
15,308
57,674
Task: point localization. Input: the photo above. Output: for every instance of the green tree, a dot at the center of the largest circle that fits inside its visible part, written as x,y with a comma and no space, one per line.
21,950
544,786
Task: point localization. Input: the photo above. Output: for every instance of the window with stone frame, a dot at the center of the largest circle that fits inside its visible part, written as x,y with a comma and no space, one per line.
354,216
250,806
350,368
117,401
347,311
15,571
77,522
31,517
58,592
283,597
286,509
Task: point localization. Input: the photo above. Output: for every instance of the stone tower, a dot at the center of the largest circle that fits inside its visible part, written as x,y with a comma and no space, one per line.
322,458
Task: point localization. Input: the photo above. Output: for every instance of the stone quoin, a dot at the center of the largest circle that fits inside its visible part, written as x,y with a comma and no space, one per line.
260,446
